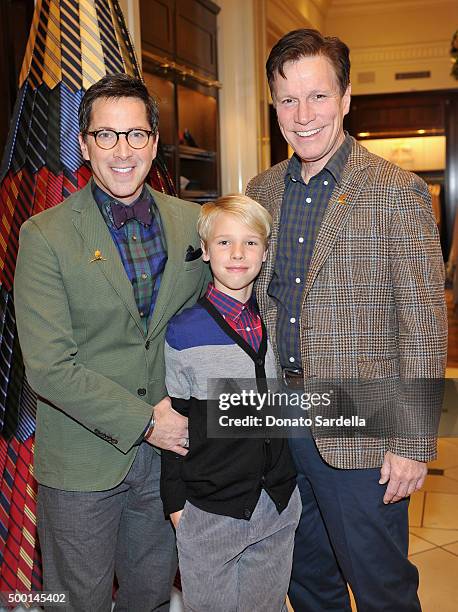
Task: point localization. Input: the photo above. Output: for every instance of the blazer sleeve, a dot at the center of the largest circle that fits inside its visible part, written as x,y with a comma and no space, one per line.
417,272
178,383
50,351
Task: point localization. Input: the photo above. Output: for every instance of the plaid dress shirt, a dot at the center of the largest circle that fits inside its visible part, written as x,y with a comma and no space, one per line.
243,318
302,211
141,248
373,303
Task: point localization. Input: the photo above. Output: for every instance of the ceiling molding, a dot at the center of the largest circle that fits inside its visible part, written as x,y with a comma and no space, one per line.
365,7
399,53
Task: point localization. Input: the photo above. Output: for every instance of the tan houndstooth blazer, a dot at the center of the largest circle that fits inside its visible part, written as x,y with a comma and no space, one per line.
373,303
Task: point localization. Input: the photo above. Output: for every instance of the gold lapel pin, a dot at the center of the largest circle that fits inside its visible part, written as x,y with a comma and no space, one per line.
97,256
342,199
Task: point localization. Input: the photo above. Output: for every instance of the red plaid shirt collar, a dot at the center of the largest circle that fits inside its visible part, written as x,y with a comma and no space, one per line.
243,318
228,306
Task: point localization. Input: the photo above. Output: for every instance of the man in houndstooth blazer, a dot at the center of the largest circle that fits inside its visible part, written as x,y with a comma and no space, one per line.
352,288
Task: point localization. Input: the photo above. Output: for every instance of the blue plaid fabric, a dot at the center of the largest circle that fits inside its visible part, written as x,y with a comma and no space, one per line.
141,248
302,211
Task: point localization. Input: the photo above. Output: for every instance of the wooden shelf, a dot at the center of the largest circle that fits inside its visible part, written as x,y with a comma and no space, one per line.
168,148
179,69
198,196
186,152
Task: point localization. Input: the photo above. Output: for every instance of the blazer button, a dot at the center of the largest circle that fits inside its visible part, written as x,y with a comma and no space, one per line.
260,362
147,344
141,391
247,513
267,441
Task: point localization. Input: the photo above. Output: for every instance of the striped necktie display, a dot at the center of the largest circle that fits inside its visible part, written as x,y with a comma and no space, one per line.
72,44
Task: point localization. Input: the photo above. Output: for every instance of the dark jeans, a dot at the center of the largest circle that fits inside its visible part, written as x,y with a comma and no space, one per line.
347,534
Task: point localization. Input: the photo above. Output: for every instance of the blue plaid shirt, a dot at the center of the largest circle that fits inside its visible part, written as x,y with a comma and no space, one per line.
142,250
302,211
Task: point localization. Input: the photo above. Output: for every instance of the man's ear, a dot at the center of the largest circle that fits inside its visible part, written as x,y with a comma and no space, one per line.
205,255
155,143
264,257
346,99
83,147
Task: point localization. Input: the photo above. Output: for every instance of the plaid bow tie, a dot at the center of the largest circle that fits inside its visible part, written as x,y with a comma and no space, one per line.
141,211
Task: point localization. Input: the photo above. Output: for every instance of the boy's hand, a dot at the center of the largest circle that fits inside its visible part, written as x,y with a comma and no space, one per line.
175,518
170,429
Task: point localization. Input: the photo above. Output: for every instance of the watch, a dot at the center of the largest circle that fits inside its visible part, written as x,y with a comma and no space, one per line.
151,425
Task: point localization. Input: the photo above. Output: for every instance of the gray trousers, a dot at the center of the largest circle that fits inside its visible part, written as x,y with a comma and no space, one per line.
87,537
233,565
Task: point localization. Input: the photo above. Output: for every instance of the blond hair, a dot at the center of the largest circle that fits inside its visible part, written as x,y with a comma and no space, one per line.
248,211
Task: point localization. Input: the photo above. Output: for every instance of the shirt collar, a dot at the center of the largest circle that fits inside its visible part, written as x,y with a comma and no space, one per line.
337,162
334,166
228,306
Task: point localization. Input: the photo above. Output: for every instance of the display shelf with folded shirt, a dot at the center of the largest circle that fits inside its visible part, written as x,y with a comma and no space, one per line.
183,79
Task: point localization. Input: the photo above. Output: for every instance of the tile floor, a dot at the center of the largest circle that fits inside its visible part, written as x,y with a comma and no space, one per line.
433,518
434,531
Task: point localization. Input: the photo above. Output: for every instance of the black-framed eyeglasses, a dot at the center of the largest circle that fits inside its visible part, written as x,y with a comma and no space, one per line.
108,139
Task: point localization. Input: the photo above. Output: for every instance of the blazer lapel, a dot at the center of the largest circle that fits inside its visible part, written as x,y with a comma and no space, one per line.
89,222
175,244
267,270
267,306
341,205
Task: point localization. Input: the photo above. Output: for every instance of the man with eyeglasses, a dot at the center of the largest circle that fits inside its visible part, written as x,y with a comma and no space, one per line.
97,279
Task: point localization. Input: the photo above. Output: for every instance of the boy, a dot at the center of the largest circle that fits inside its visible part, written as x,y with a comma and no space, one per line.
233,502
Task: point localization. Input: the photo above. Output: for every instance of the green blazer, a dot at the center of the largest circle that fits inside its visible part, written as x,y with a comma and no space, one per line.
96,372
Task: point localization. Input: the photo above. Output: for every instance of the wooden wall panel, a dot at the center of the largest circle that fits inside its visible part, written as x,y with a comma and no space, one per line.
157,26
396,112
196,35
278,144
184,85
402,114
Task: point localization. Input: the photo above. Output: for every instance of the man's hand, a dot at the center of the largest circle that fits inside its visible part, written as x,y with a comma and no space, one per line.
175,518
170,429
404,476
